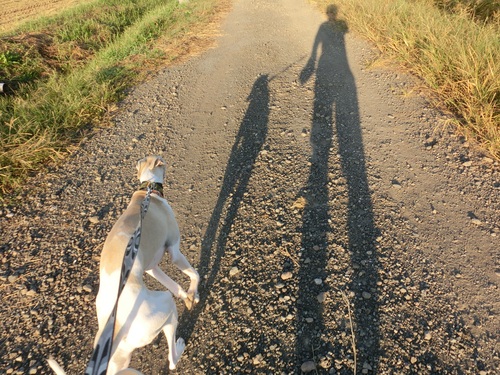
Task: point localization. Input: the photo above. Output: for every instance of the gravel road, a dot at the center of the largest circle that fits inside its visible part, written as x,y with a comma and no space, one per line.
324,201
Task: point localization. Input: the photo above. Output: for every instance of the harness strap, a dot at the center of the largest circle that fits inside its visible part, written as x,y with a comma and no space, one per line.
98,364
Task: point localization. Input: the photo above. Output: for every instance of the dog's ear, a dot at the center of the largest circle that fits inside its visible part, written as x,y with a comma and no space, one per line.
139,162
158,162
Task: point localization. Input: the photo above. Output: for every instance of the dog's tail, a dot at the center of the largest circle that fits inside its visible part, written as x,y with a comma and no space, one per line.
55,366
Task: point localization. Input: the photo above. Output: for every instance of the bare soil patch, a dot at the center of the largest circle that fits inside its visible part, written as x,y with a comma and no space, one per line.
14,12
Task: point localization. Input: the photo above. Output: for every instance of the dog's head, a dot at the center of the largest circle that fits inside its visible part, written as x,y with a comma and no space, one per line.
151,168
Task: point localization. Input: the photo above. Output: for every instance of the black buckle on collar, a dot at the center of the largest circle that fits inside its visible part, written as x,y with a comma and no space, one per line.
156,187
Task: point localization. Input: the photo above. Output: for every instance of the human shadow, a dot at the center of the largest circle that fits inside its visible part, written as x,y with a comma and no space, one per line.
336,113
246,148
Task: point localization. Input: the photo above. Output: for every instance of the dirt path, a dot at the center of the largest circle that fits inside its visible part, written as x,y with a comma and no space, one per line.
315,177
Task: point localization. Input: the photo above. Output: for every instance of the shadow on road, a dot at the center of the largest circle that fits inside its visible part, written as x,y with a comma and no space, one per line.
246,148
336,113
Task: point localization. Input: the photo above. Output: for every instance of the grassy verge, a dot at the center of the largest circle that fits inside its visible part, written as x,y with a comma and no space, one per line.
457,56
481,10
64,73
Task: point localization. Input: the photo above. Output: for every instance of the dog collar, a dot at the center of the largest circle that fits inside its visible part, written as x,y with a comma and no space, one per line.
156,187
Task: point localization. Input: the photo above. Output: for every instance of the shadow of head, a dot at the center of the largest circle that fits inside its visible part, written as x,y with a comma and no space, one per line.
332,12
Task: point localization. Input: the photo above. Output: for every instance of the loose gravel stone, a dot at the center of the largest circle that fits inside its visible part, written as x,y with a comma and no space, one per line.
87,288
12,278
321,297
233,271
94,219
367,366
308,366
257,359
325,362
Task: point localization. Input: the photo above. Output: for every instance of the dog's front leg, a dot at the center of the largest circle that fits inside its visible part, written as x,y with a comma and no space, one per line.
167,282
182,263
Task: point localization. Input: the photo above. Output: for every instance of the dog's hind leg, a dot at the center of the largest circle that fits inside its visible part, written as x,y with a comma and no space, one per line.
129,371
176,347
156,312
120,359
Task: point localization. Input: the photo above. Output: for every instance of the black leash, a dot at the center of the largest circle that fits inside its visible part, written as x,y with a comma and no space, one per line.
98,364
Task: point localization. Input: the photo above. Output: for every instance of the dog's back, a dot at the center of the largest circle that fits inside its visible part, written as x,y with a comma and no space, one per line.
158,230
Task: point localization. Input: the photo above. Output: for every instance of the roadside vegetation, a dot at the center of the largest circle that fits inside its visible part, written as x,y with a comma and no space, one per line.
453,45
62,75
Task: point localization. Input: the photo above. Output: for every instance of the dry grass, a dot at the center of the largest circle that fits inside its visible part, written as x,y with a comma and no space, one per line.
353,336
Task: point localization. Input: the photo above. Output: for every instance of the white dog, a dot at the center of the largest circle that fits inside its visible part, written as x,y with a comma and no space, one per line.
142,313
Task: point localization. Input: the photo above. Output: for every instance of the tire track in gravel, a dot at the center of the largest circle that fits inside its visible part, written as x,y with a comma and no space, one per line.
300,176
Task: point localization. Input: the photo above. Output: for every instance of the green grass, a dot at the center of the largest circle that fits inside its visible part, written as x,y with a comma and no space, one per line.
65,72
457,55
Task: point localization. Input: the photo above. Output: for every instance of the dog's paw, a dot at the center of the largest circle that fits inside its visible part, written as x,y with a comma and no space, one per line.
191,300
180,345
196,298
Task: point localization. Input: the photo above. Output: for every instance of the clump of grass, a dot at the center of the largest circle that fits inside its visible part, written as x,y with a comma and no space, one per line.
456,56
67,70
481,10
